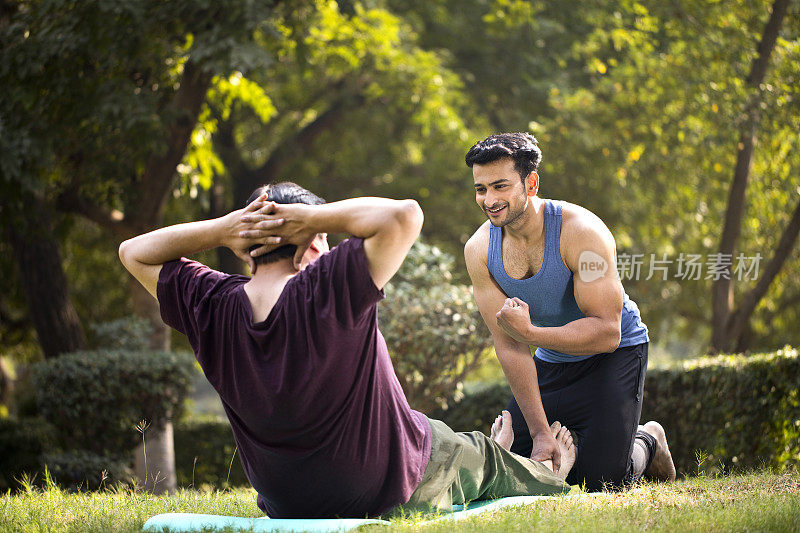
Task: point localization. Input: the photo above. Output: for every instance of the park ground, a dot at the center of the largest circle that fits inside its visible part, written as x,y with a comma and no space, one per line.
760,501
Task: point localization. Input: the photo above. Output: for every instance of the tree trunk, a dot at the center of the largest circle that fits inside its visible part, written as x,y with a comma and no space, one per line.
154,461
38,255
6,384
722,290
737,330
145,306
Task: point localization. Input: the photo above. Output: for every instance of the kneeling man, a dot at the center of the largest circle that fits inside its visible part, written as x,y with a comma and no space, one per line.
322,426
544,275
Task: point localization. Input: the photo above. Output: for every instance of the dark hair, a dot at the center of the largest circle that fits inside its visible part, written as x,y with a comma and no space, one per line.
523,148
283,193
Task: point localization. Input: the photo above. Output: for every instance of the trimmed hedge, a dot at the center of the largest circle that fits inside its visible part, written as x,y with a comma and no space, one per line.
732,411
27,446
477,410
96,399
742,411
80,470
203,454
22,444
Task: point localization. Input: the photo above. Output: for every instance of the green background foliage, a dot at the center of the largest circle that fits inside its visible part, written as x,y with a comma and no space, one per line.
637,107
96,399
433,329
742,412
206,454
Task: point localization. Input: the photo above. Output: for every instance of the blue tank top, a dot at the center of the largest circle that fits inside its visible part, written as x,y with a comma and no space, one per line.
550,292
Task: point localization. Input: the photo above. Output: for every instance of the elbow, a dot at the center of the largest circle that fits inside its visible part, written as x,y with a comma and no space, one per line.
614,338
409,216
123,252
126,254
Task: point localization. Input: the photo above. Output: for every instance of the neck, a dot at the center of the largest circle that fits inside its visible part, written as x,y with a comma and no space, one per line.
266,286
273,273
529,226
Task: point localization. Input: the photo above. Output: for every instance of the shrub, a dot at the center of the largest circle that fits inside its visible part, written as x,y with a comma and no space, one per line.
433,329
80,470
203,454
477,410
131,333
95,399
735,411
22,444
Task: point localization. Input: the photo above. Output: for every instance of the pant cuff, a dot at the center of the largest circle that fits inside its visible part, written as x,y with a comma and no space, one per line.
650,443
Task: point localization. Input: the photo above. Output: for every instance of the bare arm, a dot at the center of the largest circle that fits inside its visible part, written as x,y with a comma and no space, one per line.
388,227
514,356
598,297
144,255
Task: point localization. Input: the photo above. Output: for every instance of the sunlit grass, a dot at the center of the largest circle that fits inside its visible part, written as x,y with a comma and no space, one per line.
754,502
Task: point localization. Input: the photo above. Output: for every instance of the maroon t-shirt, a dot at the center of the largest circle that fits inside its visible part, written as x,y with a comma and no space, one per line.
322,425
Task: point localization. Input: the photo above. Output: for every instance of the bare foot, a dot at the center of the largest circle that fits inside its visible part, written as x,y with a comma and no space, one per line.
661,468
564,439
502,432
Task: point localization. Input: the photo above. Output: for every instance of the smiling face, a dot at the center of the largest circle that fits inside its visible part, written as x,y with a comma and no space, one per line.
500,192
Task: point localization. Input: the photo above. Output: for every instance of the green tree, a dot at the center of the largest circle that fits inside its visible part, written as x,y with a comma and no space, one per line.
638,107
99,105
350,106
674,94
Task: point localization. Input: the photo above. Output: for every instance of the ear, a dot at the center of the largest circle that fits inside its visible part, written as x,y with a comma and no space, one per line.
532,184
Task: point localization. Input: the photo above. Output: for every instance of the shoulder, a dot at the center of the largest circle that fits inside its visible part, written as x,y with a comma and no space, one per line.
580,225
344,263
477,246
582,231
193,276
186,269
350,250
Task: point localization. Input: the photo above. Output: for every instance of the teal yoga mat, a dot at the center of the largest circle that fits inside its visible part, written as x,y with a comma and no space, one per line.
175,522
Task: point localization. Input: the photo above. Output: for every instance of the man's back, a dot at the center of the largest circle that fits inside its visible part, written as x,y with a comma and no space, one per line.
318,415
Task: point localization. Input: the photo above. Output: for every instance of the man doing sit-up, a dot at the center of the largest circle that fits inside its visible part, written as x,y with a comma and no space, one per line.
322,426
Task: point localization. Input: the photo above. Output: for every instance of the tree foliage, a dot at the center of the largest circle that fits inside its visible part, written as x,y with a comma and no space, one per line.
351,105
638,107
122,113
100,99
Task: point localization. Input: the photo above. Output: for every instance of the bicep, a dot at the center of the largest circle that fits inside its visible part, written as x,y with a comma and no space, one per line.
598,292
592,260
601,298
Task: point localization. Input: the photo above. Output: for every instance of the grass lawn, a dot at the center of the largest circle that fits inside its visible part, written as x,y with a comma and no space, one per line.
753,502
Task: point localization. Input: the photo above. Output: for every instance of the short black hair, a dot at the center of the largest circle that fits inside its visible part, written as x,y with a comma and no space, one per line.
282,193
523,148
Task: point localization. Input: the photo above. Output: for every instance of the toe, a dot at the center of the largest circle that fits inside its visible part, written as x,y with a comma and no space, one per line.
555,427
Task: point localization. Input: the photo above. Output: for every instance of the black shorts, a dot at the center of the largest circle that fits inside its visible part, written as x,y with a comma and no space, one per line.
599,399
